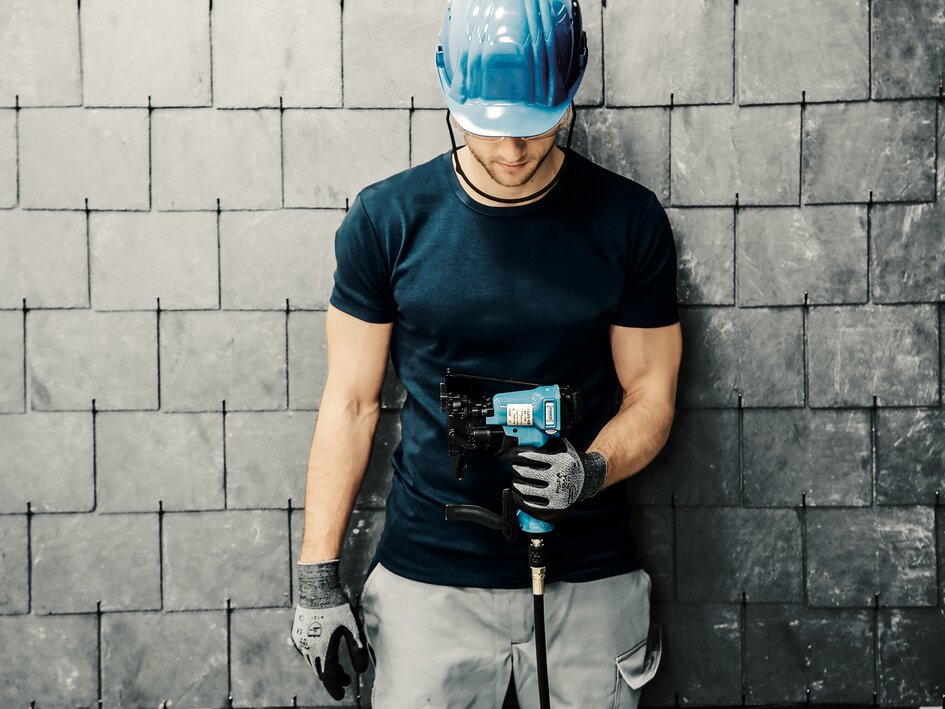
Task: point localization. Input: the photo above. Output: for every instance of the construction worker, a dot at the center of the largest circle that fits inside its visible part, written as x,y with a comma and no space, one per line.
508,257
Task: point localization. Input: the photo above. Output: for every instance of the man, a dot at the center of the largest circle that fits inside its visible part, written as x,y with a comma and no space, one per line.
508,258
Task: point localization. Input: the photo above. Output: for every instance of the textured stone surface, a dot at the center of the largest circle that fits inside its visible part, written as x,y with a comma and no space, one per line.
267,458
653,537
429,136
591,91
724,551
211,356
73,357
910,449
44,260
308,359
701,660
79,559
720,150
778,57
790,649
886,350
135,49
910,656
264,50
7,158
756,352
653,48
908,47
199,157
69,155
377,479
39,54
783,253
268,257
371,145
854,553
630,142
705,245
790,452
53,674
149,658
698,464
907,256
138,258
887,147
149,456
53,478
12,397
242,555
14,566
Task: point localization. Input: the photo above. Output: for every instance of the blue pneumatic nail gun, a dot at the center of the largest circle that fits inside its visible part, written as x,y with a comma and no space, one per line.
493,423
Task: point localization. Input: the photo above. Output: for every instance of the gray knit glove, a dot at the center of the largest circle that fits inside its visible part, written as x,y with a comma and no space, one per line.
548,481
322,617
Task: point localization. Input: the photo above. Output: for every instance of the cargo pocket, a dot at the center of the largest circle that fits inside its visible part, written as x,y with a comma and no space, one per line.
636,667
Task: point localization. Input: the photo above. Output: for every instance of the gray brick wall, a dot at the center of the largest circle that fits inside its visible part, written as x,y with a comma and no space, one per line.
171,176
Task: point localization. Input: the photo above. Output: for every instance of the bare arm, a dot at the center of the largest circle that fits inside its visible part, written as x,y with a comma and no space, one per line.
344,431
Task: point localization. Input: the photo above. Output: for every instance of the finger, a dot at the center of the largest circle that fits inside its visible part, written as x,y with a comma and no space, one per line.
357,651
527,476
524,502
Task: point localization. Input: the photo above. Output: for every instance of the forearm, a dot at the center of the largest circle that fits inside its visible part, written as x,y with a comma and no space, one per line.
633,437
341,448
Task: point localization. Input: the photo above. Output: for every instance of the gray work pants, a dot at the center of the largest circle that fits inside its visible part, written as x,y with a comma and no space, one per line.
455,647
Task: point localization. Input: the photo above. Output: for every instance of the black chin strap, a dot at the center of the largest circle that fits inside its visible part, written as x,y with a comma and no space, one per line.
512,200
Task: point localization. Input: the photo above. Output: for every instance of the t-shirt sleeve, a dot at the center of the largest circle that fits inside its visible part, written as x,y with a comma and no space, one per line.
649,291
362,278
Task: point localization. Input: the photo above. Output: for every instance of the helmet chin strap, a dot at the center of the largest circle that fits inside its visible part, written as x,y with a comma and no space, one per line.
511,200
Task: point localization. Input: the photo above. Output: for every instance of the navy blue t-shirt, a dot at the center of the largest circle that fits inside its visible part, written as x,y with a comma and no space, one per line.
525,292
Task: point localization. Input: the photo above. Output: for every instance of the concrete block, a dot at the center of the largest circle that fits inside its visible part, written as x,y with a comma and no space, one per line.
908,48
269,672
792,452
8,168
854,553
429,136
201,156
68,155
720,150
12,397
242,555
133,49
701,662
372,145
591,91
390,53
818,47
144,457
705,246
784,253
53,478
149,658
910,451
308,359
791,648
753,351
652,529
14,565
887,147
268,257
210,356
60,673
907,257
698,464
75,356
39,53
45,259
377,479
885,350
266,50
725,551
657,47
630,142
138,258
267,457
79,559
910,656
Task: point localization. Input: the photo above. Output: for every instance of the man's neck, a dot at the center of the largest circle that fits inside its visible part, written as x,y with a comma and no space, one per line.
479,177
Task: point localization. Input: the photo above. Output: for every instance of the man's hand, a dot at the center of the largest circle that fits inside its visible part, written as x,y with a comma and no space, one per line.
322,618
547,481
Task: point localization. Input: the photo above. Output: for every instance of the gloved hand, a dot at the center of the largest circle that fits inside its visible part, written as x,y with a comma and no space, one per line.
323,617
547,481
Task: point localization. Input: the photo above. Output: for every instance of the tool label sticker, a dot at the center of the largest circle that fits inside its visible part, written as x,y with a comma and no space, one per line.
519,414
549,413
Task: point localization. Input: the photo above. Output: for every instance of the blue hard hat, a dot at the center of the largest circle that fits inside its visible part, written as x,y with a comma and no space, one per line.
510,67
